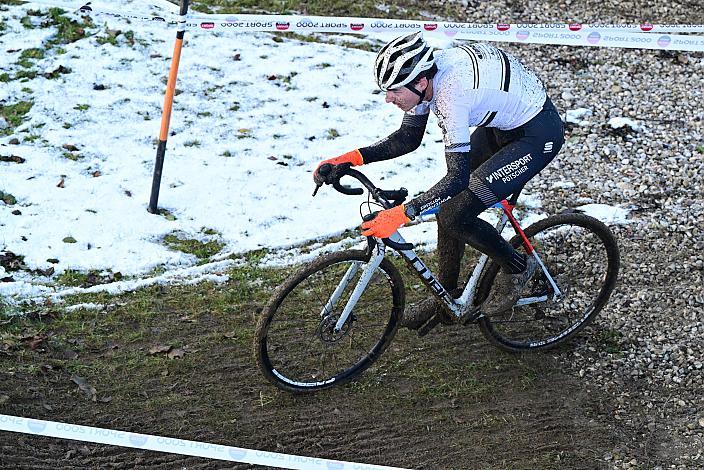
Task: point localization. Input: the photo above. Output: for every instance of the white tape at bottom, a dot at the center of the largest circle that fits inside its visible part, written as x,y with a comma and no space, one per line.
174,446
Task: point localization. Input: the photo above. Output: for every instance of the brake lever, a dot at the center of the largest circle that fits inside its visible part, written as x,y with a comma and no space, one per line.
323,171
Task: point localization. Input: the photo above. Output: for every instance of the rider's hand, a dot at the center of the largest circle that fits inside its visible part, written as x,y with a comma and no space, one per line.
386,222
352,157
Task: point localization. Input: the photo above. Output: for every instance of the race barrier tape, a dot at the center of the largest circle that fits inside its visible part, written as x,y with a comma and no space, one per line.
499,33
171,445
642,36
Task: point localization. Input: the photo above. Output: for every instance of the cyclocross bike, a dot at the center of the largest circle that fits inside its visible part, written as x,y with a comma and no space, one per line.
333,318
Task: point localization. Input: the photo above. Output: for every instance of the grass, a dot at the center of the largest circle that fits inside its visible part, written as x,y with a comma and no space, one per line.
8,198
33,53
202,250
14,114
610,341
68,30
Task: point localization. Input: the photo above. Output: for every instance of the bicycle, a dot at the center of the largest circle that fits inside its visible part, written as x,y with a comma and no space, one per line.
333,318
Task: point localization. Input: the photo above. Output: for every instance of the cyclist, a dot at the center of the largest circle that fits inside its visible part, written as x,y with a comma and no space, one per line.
518,132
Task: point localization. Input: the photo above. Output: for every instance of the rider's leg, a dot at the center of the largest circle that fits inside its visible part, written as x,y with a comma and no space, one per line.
450,248
451,244
508,170
523,153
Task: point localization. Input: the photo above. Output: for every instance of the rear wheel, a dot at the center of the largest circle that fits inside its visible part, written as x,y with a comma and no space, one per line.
582,256
297,346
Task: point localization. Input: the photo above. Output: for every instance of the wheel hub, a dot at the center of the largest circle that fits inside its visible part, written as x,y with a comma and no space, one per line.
327,332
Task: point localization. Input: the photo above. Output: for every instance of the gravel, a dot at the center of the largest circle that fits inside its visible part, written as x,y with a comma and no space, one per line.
646,349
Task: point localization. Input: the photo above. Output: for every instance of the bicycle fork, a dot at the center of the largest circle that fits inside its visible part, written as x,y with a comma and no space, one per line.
365,277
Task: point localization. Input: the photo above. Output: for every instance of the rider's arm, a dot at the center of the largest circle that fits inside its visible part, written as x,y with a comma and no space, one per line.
452,118
404,140
454,182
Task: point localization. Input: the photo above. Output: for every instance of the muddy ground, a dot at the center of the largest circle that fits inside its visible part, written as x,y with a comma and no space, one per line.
448,400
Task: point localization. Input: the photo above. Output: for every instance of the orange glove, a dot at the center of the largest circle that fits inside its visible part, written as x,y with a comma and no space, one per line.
386,222
352,157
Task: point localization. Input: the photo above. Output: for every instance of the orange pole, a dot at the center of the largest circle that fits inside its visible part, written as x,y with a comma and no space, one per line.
166,116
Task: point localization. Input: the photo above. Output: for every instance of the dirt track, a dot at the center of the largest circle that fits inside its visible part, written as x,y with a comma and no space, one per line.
448,400
519,412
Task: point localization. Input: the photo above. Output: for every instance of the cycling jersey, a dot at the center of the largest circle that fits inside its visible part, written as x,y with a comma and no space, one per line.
478,85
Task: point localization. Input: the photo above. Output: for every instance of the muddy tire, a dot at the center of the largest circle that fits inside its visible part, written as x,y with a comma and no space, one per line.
581,253
296,345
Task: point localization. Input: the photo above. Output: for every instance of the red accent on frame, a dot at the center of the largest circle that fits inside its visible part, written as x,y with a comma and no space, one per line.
508,208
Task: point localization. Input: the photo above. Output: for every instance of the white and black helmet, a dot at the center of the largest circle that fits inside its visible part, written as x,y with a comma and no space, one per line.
400,61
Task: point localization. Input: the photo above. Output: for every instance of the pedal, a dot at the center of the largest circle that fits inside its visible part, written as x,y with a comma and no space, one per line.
432,322
471,316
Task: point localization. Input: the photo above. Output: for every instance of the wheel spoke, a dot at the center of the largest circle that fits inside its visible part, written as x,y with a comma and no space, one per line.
581,256
304,348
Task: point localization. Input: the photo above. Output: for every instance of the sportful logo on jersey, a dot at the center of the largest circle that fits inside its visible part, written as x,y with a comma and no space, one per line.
508,172
547,148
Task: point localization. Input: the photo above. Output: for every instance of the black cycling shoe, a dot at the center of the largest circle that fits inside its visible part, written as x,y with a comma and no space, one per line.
507,289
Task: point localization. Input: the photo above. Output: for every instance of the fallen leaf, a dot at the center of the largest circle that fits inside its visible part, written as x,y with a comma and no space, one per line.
158,349
61,184
272,158
12,159
176,353
83,385
96,174
230,334
70,147
33,342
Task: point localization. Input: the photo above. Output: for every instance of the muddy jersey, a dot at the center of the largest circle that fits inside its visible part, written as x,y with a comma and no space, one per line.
476,86
480,85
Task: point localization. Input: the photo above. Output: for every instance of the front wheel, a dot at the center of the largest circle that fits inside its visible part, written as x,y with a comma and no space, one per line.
297,344
582,256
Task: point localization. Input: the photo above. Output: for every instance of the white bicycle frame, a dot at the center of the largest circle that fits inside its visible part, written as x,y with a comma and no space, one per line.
459,307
